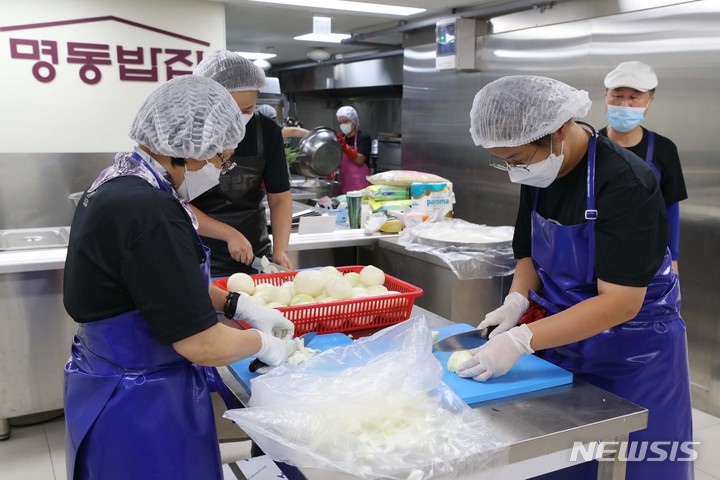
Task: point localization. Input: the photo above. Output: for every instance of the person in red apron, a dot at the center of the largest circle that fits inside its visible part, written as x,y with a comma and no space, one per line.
629,91
138,381
232,215
356,146
591,243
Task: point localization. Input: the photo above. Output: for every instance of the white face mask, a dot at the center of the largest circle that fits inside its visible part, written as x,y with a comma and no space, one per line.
199,181
540,174
246,118
346,128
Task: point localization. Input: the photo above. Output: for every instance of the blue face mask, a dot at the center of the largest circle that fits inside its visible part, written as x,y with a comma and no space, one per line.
624,119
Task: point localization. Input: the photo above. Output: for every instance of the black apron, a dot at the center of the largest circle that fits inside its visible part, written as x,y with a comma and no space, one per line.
237,201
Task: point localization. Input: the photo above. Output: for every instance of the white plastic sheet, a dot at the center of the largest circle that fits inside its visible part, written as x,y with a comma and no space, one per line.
470,250
375,409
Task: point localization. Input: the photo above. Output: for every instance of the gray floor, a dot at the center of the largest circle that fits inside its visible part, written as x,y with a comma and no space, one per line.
37,452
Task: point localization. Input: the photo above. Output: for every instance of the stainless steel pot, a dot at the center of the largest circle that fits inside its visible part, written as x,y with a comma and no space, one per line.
321,152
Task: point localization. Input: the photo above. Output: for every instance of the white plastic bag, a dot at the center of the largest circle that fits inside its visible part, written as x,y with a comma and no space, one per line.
375,409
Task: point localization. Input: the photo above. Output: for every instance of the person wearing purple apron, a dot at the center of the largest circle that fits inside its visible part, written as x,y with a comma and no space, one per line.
629,92
356,146
232,215
138,381
591,243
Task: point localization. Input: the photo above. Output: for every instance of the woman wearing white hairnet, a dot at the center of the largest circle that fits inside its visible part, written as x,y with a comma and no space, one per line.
233,221
591,241
356,147
137,401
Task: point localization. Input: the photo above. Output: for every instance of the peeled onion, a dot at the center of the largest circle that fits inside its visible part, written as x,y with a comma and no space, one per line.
241,282
280,295
339,288
372,275
309,282
457,359
353,278
301,299
373,290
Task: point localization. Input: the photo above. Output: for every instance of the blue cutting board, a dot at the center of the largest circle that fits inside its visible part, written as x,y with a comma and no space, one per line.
240,370
530,373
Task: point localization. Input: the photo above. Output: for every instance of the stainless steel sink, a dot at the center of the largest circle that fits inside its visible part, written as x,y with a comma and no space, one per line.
30,238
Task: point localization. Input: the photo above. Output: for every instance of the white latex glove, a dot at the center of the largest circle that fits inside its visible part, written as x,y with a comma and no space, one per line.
267,320
273,351
291,346
498,355
506,316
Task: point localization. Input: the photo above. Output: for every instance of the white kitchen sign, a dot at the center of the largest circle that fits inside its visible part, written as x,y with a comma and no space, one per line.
73,73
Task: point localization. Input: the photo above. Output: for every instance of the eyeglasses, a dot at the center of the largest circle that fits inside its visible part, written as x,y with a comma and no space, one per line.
225,164
501,164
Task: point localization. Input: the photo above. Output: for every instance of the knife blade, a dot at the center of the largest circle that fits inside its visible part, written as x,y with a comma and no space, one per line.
461,341
263,265
255,364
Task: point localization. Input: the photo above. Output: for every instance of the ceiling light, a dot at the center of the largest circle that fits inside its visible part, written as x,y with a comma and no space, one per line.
327,38
264,64
322,27
349,6
256,55
319,55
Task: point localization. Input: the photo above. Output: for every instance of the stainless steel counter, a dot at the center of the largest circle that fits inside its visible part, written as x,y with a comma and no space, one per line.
542,426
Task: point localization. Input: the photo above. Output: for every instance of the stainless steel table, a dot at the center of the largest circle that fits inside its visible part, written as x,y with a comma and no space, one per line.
542,426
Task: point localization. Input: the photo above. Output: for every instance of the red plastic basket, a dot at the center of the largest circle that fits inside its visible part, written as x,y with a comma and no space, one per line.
344,315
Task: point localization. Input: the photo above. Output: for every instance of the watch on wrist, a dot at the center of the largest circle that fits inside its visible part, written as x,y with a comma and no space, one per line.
231,302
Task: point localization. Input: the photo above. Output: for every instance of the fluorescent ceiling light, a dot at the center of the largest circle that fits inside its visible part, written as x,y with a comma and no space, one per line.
328,37
349,6
256,55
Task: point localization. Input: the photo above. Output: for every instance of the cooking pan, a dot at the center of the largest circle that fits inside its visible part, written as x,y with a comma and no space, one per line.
321,152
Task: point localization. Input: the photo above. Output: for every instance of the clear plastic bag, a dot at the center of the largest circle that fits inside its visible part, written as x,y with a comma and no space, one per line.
375,409
470,250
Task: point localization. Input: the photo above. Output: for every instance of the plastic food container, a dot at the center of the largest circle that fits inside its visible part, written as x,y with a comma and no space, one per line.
344,315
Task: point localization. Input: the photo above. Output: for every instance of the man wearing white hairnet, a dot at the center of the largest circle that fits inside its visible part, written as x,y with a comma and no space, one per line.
356,147
591,241
232,215
138,382
629,92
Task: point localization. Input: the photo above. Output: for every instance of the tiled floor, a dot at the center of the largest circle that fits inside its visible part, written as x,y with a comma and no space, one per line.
37,452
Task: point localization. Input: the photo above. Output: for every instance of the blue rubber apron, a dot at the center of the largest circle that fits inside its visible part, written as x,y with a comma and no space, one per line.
135,408
649,155
643,360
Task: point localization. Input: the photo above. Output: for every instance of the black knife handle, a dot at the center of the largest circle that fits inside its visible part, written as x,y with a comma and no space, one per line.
256,364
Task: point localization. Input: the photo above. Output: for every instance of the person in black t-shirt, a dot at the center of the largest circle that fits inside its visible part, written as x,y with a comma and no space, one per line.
356,147
591,241
629,91
138,381
232,215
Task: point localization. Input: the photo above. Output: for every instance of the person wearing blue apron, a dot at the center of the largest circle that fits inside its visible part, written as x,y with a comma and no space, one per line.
356,146
629,92
232,215
591,241
138,381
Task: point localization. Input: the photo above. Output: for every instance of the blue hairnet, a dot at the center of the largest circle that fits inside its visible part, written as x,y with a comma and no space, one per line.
236,73
188,117
520,109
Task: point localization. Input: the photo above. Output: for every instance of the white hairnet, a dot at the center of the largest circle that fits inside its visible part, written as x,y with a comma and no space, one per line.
518,110
267,110
350,113
236,73
188,117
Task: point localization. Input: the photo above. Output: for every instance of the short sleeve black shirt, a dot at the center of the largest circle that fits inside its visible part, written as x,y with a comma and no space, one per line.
133,247
631,231
275,175
364,143
667,161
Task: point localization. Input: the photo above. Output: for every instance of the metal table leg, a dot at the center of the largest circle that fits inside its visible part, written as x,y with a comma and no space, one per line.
4,428
615,469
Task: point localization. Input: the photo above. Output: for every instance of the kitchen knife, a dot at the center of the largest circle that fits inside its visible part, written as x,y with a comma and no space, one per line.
255,364
263,265
461,341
